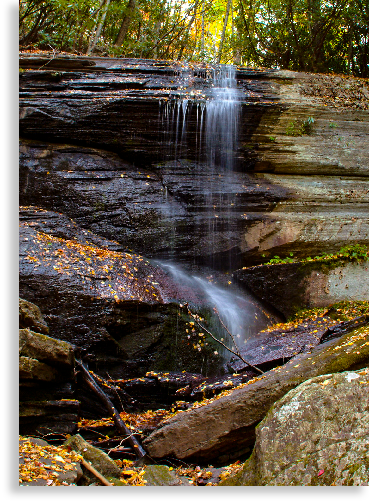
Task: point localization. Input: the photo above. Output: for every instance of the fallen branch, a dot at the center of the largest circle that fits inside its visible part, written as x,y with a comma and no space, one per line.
220,342
120,425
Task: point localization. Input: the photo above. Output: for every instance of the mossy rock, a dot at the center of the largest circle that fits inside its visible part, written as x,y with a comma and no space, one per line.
161,475
316,435
30,317
98,459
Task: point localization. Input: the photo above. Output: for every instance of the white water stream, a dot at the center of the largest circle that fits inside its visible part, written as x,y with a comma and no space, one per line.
217,125
239,312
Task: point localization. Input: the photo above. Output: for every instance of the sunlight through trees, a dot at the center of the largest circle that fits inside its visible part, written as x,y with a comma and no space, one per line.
307,35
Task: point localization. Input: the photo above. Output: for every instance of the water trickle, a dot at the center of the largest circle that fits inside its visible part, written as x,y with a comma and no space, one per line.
239,312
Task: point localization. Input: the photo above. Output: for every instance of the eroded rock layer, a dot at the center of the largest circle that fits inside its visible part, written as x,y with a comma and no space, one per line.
120,145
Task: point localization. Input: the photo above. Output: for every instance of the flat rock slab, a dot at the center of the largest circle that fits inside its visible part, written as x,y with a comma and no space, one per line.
225,426
276,346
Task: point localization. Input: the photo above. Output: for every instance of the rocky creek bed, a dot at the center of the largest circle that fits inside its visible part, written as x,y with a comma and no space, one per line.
200,437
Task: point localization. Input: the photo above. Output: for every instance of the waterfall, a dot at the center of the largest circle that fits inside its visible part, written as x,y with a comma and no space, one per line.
217,108
222,117
206,118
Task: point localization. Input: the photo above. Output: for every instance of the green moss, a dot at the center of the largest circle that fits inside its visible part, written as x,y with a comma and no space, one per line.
353,252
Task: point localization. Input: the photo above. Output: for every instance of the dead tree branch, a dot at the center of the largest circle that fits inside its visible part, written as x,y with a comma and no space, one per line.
120,425
96,473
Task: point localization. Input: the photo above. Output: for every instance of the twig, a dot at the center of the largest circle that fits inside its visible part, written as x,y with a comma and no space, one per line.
227,330
47,62
221,343
96,473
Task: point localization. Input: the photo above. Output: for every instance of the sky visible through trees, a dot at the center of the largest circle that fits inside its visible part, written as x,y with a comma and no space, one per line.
304,35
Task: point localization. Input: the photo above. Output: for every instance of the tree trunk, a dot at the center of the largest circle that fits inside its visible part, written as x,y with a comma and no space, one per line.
125,23
203,31
100,24
220,50
189,26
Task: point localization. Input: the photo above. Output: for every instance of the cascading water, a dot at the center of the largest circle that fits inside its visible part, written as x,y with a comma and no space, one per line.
213,132
222,118
217,106
239,312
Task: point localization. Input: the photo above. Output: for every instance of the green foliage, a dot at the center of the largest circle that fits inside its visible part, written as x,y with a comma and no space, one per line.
353,252
329,36
298,128
276,260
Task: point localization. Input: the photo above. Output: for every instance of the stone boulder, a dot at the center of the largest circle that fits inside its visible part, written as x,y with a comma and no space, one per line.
46,378
317,434
162,475
289,287
99,459
30,317
46,349
224,428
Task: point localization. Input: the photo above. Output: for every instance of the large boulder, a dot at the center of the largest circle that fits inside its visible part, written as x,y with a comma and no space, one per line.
224,428
317,434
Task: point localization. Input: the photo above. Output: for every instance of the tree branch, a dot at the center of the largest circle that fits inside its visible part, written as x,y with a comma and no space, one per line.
121,426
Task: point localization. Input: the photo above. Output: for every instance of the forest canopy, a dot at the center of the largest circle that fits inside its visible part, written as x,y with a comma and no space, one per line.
303,35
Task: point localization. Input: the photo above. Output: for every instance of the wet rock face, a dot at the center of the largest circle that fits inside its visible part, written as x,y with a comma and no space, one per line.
131,163
116,306
158,195
163,210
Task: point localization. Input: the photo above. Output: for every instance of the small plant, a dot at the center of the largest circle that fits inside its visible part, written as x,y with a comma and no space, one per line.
352,252
297,128
307,126
276,260
272,139
332,125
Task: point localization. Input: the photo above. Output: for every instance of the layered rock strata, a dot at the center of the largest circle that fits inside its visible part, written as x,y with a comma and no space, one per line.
118,145
290,287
